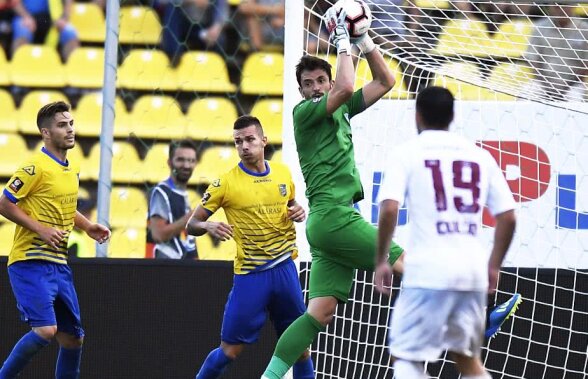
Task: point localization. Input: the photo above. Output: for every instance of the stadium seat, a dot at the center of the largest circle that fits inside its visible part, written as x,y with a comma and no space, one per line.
364,76
211,119
510,77
6,237
468,37
73,155
29,107
215,161
128,208
147,70
88,116
139,26
277,156
8,114
269,113
159,117
263,74
37,66
432,4
155,165
512,38
194,197
126,165
13,152
462,90
127,243
85,68
203,72
88,19
5,79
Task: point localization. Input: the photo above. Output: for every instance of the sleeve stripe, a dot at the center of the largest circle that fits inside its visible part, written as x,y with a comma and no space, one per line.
10,196
208,211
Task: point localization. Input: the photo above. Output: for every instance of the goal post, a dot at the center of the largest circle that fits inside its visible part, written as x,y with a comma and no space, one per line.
533,122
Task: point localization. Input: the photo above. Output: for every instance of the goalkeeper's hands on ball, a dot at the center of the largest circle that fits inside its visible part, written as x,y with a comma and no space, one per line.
339,34
365,43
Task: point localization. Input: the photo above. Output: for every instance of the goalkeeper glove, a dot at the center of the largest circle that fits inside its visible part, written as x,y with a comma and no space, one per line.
364,43
338,30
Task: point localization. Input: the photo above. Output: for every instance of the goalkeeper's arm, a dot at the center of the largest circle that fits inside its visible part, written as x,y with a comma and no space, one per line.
383,78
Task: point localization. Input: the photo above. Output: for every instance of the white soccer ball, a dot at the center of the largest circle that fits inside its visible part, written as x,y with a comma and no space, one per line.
359,16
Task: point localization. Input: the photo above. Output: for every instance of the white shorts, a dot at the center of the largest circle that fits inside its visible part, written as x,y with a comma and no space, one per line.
426,322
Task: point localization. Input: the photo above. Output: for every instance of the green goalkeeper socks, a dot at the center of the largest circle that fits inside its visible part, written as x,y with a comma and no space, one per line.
297,338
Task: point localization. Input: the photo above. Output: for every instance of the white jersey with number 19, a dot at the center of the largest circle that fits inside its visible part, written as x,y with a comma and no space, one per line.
446,181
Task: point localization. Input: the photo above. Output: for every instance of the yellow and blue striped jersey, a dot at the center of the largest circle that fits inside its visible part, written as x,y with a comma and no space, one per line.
256,207
46,189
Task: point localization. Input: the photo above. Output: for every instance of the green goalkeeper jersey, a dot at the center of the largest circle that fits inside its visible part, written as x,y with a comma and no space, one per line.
325,151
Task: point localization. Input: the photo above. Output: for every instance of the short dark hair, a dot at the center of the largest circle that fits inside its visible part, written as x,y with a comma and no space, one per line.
183,143
435,106
246,121
311,63
48,112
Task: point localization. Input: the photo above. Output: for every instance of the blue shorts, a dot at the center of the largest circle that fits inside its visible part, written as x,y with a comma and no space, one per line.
45,295
275,292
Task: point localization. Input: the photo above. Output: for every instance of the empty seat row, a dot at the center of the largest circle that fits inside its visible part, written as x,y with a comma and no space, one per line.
152,116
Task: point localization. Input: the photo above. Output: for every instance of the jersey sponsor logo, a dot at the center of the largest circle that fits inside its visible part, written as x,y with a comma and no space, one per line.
215,183
283,190
16,184
205,198
29,170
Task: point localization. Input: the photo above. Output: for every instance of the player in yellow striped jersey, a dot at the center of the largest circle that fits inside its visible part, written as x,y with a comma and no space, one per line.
258,199
41,199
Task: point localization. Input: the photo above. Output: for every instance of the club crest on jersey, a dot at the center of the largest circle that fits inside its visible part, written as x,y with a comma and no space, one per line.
283,189
216,183
16,184
29,170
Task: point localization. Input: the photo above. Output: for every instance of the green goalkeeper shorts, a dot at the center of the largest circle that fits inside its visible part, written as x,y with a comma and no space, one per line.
341,240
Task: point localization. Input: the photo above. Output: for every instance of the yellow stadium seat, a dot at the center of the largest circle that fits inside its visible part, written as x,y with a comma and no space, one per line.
432,4
155,163
194,198
277,156
364,76
6,237
147,70
88,19
269,113
37,66
128,208
4,69
30,105
127,243
467,37
581,10
512,38
510,77
263,74
88,116
462,90
8,115
85,67
158,117
139,25
203,72
221,251
211,119
126,165
13,152
234,2
215,161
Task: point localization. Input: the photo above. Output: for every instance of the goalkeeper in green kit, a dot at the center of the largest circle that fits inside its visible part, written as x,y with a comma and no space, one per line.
340,239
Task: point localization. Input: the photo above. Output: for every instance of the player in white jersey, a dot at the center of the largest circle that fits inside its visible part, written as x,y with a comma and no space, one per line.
446,181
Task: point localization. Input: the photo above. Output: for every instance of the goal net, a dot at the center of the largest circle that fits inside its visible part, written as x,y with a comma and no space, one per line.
517,70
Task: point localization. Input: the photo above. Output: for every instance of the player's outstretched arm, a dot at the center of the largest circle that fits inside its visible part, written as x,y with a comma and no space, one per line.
383,78
198,225
97,232
503,233
386,225
339,35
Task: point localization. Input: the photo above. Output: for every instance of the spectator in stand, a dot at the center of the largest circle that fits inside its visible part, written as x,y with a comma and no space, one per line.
34,20
265,22
317,37
193,24
6,16
558,53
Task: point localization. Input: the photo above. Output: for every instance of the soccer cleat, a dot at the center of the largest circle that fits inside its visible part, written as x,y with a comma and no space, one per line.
501,313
